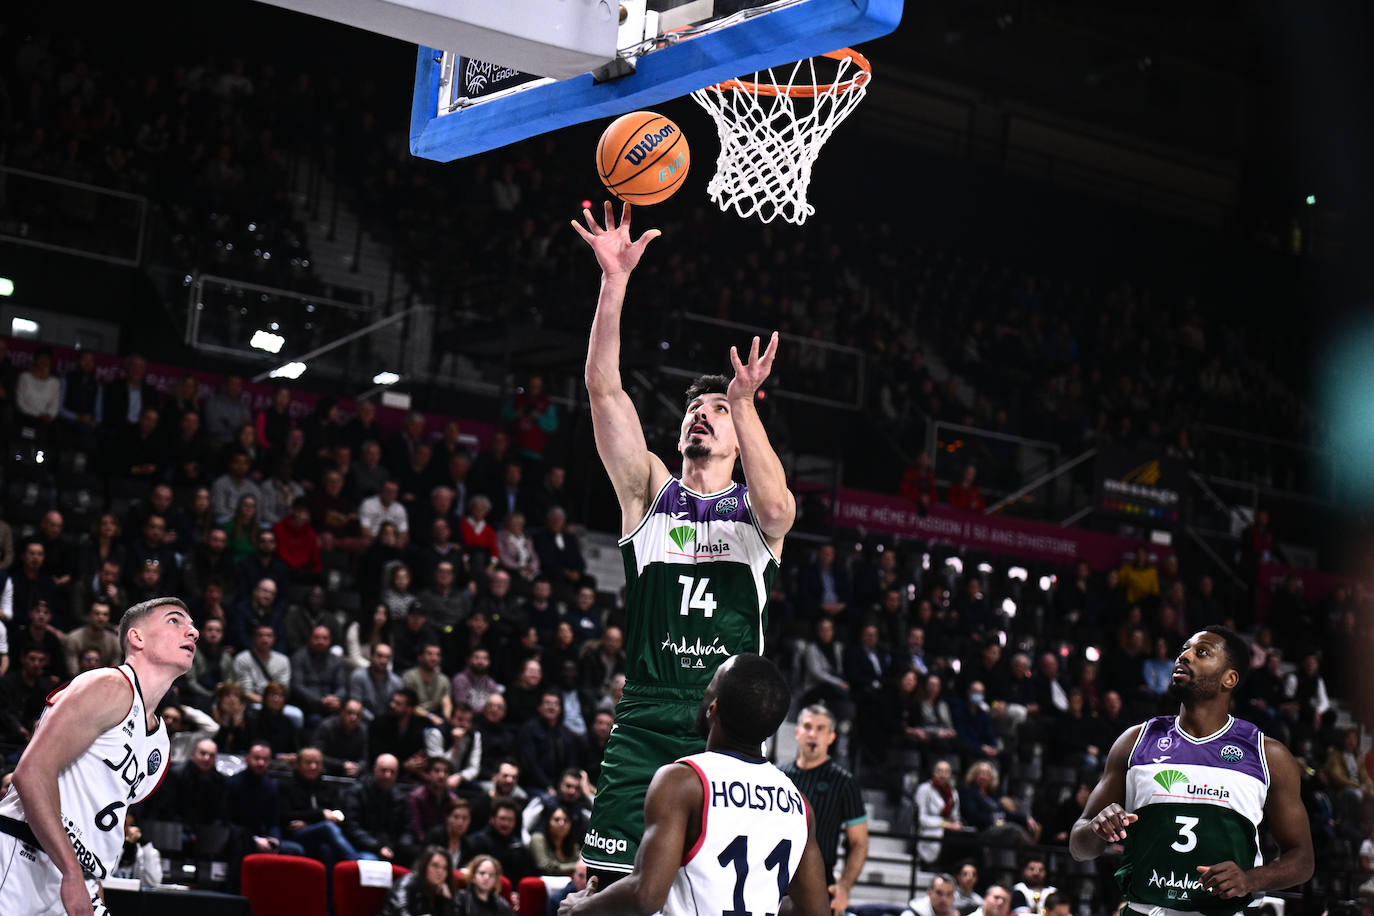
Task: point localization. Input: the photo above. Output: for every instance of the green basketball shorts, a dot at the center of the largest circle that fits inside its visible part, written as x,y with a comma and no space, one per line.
653,726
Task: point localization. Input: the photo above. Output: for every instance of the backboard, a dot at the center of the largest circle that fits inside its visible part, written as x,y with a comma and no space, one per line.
465,103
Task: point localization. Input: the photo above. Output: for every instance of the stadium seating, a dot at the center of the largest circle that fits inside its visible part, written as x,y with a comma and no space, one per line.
285,885
351,898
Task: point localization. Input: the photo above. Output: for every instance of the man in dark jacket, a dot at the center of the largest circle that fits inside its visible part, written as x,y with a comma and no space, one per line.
252,801
547,748
311,814
123,400
375,817
343,739
501,840
401,733
195,790
318,681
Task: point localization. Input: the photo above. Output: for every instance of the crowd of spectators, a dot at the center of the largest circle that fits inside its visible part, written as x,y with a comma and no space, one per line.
380,668
357,620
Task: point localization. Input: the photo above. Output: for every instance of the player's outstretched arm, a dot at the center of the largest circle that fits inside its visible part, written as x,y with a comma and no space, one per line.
615,423
90,705
1104,821
807,894
673,795
769,499
1287,819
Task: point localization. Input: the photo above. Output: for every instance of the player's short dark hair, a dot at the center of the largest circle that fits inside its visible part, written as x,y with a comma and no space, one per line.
1033,857
136,615
1054,900
1237,651
706,384
753,698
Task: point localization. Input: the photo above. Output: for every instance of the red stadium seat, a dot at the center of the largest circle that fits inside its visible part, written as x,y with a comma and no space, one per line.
352,899
534,897
284,885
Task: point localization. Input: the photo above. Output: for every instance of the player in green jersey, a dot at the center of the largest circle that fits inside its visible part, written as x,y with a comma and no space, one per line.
700,551
1185,795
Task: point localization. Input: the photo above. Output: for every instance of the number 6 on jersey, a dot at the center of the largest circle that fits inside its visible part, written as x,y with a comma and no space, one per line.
699,599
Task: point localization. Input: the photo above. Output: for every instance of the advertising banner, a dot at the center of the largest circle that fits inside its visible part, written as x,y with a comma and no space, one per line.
1142,485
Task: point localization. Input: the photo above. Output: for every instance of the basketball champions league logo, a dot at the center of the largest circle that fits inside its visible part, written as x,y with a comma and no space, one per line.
477,74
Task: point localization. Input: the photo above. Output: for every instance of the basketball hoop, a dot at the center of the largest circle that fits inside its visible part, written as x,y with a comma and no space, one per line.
771,131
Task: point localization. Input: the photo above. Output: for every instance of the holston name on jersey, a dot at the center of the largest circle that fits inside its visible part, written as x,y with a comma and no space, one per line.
738,794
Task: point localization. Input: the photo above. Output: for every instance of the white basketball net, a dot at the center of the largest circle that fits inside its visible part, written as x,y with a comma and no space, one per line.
771,132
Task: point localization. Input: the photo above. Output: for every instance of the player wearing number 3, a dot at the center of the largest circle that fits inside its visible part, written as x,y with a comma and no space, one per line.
1185,796
99,748
725,831
700,552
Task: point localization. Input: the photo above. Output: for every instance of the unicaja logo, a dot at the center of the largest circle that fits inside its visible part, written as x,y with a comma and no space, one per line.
683,535
1170,778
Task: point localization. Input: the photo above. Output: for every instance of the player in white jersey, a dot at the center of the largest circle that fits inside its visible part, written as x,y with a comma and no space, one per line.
724,831
99,747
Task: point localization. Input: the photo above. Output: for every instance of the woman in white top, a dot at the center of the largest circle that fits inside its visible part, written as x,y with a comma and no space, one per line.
362,637
517,550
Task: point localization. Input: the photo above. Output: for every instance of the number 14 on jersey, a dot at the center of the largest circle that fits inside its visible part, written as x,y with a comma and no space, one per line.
696,599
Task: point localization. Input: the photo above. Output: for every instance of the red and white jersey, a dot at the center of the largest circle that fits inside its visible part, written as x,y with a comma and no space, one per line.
753,832
122,767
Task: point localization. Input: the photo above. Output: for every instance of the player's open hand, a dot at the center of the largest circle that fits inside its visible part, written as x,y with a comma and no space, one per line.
1225,880
611,244
750,375
1111,823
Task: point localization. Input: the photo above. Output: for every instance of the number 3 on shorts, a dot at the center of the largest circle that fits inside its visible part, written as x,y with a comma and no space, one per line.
1186,838
699,599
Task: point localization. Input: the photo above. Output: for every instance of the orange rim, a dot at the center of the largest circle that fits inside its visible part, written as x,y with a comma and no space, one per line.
808,92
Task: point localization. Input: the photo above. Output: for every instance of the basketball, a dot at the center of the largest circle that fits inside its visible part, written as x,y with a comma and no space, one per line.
642,158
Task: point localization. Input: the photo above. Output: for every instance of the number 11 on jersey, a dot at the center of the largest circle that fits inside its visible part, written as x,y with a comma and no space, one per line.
699,599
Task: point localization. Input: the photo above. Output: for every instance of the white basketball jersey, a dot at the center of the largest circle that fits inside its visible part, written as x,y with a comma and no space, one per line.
124,766
753,832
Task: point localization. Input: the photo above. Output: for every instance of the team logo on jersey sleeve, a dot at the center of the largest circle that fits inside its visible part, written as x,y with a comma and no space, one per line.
1232,754
154,761
726,506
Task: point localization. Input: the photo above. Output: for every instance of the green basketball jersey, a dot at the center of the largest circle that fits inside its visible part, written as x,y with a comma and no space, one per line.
697,576
1200,802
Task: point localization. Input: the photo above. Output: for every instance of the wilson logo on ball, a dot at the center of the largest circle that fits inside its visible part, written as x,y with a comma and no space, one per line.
637,153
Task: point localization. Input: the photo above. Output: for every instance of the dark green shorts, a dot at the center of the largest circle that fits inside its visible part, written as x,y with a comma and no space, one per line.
653,726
